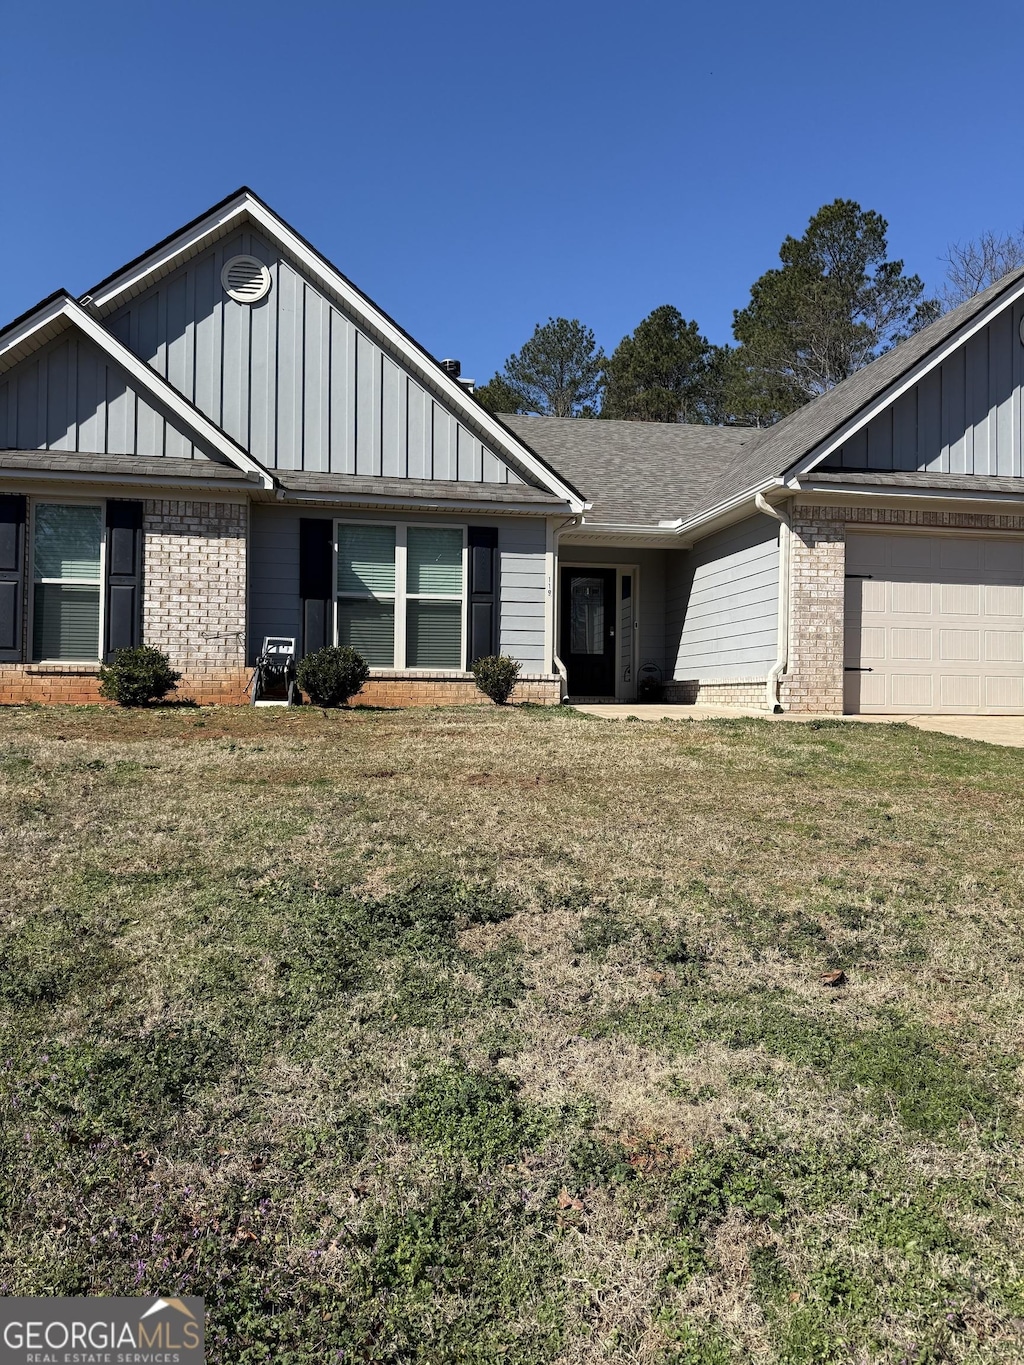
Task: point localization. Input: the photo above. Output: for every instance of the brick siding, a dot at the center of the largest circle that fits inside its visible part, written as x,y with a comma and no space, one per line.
717,692
443,690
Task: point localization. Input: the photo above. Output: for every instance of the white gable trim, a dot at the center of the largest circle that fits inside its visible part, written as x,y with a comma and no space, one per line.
900,386
246,207
67,312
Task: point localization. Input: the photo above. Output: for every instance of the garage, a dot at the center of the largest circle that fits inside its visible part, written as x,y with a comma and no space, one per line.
934,623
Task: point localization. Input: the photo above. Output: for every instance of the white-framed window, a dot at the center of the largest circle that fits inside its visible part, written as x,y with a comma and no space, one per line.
400,594
67,581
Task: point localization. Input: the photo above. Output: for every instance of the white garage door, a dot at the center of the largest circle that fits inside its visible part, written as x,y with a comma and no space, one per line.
934,623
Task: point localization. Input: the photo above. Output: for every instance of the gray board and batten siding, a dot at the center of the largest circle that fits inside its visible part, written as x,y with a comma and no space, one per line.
963,417
722,603
71,396
292,378
652,566
275,607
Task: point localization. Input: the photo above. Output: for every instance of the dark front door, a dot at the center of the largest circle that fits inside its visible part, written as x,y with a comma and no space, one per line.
588,631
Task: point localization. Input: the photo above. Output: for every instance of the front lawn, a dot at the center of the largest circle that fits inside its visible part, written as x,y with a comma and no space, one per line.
481,1035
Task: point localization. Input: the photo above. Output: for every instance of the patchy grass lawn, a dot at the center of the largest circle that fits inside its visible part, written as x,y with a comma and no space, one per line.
467,1036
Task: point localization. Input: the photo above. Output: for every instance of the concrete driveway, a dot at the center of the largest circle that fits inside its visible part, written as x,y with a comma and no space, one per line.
1008,730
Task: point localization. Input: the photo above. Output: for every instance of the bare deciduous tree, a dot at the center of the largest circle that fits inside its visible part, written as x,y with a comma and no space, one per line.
972,266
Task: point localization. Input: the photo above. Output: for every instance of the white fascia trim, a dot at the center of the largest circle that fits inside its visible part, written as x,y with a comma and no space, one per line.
164,258
907,381
47,314
162,392
355,303
729,505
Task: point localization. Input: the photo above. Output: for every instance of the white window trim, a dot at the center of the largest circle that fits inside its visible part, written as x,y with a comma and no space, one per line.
401,594
62,501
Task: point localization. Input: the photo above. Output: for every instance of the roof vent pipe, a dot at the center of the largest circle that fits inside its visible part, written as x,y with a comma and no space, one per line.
782,656
452,368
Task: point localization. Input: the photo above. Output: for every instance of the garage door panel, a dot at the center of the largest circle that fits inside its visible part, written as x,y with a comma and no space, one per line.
959,691
871,644
960,599
1005,556
1004,646
1004,599
909,643
911,552
938,627
910,598
960,644
1005,693
912,690
960,555
874,595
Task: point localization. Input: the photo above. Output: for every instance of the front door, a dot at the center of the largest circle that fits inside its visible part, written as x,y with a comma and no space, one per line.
588,631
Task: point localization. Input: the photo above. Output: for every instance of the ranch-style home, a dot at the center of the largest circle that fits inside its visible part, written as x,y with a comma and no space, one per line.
225,440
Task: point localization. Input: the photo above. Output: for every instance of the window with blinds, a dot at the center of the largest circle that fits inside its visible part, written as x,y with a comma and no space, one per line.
366,592
434,577
400,594
67,575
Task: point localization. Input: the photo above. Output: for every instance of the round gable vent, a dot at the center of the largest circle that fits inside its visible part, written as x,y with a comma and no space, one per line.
245,279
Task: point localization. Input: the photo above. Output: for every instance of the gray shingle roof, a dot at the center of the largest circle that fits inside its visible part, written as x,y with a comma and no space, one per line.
923,479
635,473
430,490
145,466
640,473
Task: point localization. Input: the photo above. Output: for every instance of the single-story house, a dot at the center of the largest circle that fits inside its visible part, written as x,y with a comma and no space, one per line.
225,439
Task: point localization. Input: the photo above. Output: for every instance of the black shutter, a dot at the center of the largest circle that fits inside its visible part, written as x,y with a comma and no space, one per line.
316,559
483,592
12,575
124,576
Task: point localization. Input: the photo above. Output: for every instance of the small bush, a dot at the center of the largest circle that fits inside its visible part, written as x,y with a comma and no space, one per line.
496,676
332,676
138,676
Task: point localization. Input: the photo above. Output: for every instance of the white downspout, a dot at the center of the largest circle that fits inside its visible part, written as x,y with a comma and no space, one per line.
782,660
560,668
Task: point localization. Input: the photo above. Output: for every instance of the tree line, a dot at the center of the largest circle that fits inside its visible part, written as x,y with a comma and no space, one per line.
834,303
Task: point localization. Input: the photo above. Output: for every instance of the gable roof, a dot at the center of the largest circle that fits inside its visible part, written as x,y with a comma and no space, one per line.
635,473
59,312
651,472
800,435
244,206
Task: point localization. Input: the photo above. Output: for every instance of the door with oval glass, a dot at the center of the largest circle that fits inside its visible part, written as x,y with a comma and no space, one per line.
588,631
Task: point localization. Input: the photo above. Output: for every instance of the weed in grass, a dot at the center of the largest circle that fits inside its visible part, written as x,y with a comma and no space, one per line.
55,952
473,1116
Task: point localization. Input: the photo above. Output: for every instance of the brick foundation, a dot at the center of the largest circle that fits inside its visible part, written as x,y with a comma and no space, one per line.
717,692
440,689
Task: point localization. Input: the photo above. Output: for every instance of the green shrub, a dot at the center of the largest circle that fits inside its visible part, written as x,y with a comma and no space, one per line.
138,676
332,676
496,676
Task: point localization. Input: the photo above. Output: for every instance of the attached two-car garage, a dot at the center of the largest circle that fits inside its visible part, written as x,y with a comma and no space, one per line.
934,623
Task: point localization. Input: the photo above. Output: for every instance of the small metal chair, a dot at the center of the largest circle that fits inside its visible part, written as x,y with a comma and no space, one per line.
275,671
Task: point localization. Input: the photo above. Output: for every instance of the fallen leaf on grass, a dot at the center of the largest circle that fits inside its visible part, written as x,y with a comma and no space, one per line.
834,979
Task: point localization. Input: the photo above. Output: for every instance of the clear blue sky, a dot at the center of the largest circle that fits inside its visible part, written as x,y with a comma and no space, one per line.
477,168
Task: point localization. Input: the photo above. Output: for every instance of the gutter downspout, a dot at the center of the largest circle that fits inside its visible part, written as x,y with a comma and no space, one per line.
560,669
782,659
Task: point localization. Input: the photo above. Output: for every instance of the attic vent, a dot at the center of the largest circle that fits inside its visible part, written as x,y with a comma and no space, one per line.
245,279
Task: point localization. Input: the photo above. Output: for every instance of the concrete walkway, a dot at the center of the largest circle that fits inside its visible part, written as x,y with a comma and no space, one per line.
1008,730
